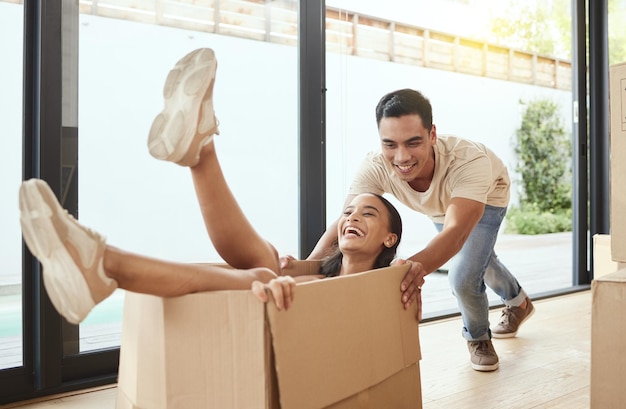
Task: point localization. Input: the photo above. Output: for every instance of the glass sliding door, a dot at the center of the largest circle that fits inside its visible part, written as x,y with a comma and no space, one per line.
91,91
11,298
148,206
475,74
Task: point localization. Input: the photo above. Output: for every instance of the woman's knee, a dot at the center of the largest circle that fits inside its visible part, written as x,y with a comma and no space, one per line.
271,258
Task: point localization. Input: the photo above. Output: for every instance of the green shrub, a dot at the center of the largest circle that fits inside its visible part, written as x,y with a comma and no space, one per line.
534,222
543,152
543,155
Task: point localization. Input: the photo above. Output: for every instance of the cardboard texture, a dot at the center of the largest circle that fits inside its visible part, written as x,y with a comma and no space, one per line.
608,341
608,331
357,335
603,263
208,350
617,97
345,343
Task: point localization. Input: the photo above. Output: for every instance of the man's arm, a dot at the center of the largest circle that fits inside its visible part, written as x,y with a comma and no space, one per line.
462,215
325,242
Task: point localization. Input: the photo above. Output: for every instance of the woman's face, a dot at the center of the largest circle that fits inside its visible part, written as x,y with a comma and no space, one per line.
364,227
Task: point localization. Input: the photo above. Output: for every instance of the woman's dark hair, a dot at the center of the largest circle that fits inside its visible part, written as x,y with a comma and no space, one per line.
405,102
331,265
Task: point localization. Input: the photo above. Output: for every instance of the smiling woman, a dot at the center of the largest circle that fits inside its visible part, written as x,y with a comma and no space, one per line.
364,225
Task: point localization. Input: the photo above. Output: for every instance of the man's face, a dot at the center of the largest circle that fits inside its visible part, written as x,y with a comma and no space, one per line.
407,146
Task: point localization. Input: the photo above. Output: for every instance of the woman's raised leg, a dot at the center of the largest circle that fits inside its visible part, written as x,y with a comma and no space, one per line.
232,234
183,133
80,270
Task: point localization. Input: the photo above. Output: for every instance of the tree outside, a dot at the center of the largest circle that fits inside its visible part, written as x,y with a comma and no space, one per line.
543,152
545,27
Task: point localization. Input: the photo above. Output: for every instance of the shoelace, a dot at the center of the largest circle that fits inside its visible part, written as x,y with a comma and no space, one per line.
482,348
506,315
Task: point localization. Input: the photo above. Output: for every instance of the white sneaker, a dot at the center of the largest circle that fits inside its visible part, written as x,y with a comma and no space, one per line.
71,254
187,121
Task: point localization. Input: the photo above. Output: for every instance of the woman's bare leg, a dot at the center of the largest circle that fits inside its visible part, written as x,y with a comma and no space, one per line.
230,231
183,133
147,275
80,269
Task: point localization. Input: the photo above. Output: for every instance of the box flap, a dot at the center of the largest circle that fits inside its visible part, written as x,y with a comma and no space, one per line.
302,267
141,355
195,351
402,390
341,336
210,377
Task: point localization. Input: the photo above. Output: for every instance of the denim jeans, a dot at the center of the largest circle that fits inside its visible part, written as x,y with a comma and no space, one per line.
477,265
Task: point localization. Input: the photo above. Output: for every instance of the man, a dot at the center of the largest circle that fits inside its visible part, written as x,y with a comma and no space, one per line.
464,188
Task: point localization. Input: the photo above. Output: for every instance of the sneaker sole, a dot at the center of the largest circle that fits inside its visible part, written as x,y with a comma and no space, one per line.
187,121
512,334
485,368
63,281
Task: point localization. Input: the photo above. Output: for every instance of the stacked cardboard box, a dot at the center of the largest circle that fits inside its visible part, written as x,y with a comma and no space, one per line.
617,95
346,342
603,262
608,329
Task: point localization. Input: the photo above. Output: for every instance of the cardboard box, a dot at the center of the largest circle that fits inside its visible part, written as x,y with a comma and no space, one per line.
608,341
345,343
603,262
617,97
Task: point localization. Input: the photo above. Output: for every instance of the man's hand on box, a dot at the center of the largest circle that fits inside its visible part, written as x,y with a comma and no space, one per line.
411,285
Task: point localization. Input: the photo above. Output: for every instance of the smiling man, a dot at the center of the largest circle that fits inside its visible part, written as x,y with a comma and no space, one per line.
464,188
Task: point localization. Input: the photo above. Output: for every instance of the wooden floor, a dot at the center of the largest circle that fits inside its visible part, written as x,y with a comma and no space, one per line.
546,366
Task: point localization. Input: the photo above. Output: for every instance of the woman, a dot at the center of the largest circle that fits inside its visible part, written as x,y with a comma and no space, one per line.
80,269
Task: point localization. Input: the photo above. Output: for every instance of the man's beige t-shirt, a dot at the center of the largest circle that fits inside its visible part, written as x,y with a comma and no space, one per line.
462,169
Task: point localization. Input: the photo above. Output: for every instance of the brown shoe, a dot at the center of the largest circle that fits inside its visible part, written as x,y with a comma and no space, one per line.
482,356
511,319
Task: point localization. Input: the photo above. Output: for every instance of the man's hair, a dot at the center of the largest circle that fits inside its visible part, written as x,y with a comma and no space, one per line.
405,102
331,266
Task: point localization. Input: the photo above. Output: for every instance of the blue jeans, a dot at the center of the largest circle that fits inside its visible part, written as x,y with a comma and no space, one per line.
476,265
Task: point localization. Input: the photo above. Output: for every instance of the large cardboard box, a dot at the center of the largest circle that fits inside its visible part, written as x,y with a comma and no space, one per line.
346,342
603,262
617,96
608,341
